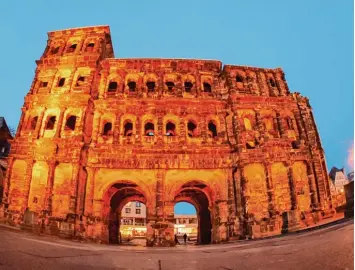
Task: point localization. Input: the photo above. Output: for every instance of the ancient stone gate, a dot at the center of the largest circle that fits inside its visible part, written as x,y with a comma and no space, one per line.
98,131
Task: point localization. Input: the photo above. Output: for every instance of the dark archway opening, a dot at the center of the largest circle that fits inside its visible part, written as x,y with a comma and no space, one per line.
193,193
124,193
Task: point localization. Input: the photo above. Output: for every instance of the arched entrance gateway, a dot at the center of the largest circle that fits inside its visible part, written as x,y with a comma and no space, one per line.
195,193
115,199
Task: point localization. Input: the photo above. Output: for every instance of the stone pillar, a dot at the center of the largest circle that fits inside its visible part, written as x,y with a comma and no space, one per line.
7,180
103,84
292,185
246,221
90,189
40,124
50,182
137,135
160,129
312,187
117,129
222,216
280,125
270,190
59,124
28,180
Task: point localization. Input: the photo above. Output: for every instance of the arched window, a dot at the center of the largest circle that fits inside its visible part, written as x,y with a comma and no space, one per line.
250,145
33,123
71,48
131,86
191,129
188,86
272,82
80,81
61,82
70,124
50,123
170,129
212,130
55,50
239,79
107,129
112,87
128,129
247,124
289,124
207,88
90,47
170,86
150,86
149,129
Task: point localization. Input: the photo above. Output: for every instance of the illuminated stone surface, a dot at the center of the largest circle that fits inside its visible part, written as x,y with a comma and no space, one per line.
97,132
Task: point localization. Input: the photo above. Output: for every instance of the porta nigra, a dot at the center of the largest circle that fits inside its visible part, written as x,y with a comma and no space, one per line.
97,132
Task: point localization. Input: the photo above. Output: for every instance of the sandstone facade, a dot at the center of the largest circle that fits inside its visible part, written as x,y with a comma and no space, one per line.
97,132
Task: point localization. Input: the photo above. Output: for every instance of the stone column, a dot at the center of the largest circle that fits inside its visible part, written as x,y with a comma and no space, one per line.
90,188
28,180
222,215
160,129
40,124
137,135
245,201
270,190
312,187
292,185
280,125
7,180
117,129
60,124
291,219
50,182
103,84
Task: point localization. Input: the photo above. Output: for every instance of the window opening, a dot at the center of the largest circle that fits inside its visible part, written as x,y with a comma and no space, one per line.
191,127
70,124
50,123
132,86
128,129
170,129
212,128
112,87
107,129
188,86
149,129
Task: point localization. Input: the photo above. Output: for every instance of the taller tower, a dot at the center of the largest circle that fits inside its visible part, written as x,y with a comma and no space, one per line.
55,123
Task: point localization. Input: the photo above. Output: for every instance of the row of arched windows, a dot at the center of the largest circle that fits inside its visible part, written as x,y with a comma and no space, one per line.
71,48
149,129
51,120
151,86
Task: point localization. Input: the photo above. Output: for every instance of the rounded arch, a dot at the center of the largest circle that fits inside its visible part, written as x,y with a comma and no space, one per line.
197,194
170,118
115,198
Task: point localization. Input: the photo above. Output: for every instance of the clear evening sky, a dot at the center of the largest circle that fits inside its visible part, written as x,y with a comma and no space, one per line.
312,40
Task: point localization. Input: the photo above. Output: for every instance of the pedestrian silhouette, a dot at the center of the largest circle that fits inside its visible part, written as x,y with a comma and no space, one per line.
185,236
176,240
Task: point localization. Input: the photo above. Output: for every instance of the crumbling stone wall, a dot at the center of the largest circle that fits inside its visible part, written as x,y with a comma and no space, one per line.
98,131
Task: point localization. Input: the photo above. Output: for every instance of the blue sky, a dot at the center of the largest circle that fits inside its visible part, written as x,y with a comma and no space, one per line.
312,40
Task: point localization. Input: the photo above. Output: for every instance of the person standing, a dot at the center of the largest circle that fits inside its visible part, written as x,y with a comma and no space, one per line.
176,240
185,236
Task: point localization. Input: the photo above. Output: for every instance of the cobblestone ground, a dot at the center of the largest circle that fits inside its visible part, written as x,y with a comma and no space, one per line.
327,248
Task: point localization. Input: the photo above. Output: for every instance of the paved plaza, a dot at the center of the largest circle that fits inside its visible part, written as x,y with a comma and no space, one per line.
326,248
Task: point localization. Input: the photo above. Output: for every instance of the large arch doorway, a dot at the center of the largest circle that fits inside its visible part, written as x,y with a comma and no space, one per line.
186,222
195,193
121,194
